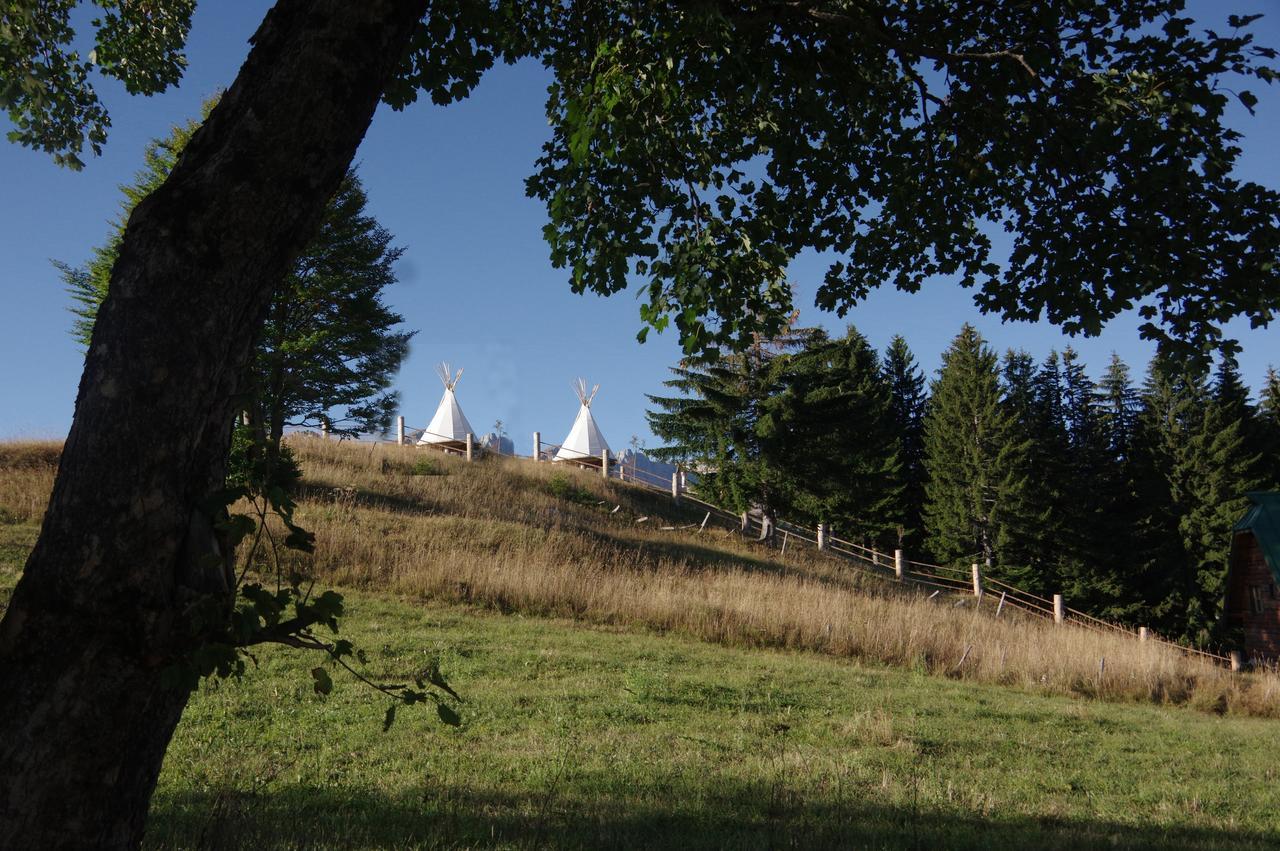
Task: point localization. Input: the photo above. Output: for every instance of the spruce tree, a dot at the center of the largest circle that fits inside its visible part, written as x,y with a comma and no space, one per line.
1269,427
832,419
1120,408
1089,567
908,401
972,454
708,426
1194,475
716,423
329,347
1030,537
1231,397
1128,539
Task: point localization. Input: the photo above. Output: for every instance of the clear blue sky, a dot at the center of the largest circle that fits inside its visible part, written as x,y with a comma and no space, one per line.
475,280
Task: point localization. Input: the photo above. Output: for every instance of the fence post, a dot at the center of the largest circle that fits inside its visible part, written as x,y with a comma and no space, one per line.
470,446
1059,611
537,446
675,486
1143,634
400,431
604,463
977,581
1236,660
822,536
899,564
324,428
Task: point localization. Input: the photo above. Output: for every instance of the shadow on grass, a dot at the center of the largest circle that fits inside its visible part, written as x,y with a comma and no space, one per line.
759,816
320,494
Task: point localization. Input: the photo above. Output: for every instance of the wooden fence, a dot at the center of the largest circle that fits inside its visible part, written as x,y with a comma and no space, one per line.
933,578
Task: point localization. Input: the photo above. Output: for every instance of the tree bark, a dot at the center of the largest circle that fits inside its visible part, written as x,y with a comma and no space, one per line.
105,603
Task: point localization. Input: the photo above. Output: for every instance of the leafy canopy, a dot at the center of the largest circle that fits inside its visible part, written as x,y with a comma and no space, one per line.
45,83
698,146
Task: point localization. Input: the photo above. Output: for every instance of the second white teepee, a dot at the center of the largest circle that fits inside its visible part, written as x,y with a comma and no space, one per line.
585,443
449,427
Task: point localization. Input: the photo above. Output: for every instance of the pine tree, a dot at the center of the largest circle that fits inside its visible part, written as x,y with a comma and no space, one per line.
831,417
1089,567
1269,427
1195,475
329,349
908,401
716,424
1231,397
1120,409
1129,540
708,427
1030,535
972,454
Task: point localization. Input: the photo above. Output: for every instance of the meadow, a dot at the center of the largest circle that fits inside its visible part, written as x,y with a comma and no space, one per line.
626,685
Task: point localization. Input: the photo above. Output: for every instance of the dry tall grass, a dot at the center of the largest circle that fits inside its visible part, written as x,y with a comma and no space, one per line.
541,539
494,533
27,468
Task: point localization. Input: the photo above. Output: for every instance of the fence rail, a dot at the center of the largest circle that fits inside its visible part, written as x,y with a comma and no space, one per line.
871,562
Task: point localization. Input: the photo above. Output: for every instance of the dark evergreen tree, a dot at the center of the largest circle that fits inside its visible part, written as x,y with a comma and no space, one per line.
1128,539
329,347
1030,535
1120,409
715,425
833,423
1231,397
328,350
908,401
1269,426
1091,484
972,453
1194,479
1018,371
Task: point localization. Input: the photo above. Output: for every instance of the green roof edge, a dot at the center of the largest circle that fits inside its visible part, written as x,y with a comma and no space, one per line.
1263,520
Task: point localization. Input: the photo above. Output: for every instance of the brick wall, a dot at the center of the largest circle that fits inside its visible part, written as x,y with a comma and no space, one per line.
1253,587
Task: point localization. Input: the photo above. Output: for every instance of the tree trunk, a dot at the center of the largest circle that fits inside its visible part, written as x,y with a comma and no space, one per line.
104,604
273,394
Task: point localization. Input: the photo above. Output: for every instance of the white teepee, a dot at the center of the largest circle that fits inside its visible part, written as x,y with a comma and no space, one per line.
449,427
585,443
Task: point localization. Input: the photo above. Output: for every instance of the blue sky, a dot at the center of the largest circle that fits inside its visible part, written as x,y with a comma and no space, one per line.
475,281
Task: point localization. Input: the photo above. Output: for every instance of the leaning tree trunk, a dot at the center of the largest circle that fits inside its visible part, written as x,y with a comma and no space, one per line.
103,605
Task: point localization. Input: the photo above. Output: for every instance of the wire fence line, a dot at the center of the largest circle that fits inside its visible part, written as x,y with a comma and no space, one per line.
884,566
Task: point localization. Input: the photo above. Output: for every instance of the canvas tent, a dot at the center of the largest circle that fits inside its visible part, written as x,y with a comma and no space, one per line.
449,427
585,444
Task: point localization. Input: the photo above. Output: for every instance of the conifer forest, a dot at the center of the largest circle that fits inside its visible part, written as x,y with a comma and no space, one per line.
1118,491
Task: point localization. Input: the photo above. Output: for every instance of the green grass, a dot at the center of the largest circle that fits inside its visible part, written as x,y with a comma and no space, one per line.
579,737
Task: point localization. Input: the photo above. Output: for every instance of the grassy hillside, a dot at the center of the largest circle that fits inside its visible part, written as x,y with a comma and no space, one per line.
533,538
630,686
